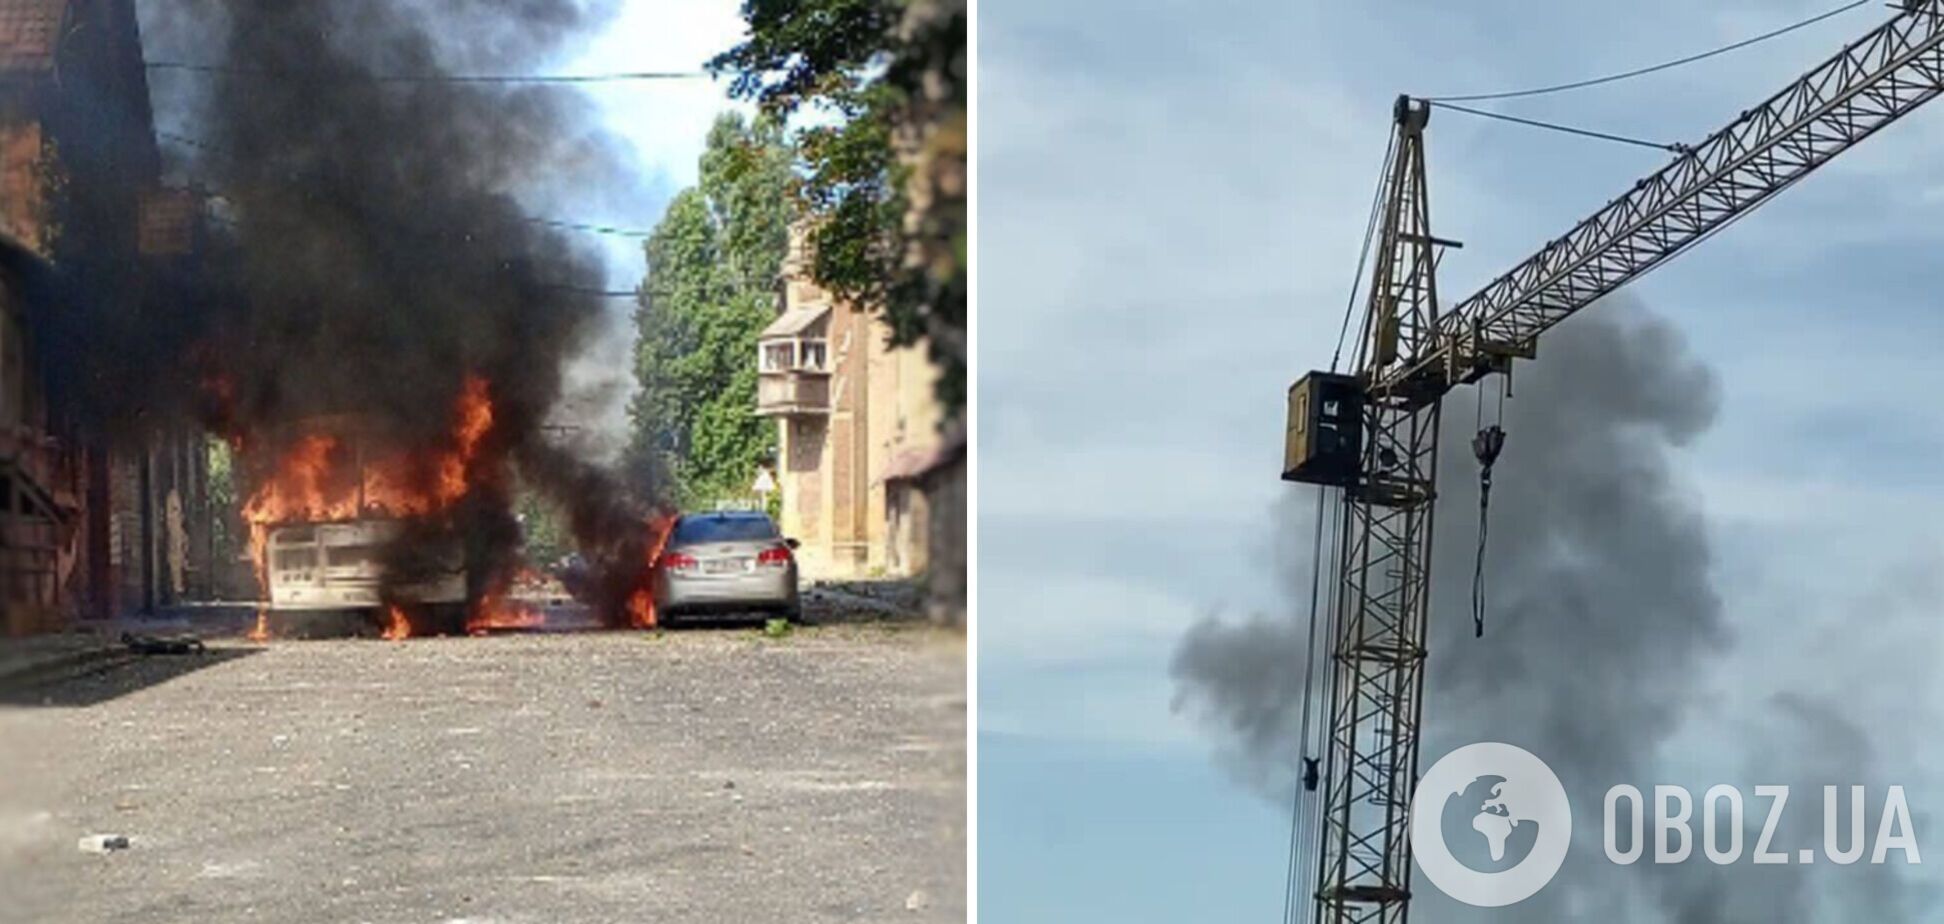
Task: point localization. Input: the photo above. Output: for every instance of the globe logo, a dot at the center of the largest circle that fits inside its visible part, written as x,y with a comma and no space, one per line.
1490,824
1482,816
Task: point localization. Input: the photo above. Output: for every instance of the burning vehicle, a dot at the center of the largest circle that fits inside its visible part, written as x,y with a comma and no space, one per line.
327,526
340,566
378,328
344,521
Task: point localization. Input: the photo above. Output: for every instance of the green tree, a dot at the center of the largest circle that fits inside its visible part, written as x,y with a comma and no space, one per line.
713,265
544,526
885,176
226,526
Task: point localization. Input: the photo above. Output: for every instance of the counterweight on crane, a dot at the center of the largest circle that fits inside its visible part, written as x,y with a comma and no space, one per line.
1373,434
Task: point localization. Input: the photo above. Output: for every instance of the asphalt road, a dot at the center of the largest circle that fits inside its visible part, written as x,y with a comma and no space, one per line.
709,775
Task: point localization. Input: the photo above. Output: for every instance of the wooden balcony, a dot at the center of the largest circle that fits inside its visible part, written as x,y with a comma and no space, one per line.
793,393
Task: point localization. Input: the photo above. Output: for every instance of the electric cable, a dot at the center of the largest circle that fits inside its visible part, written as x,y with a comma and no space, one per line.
593,292
590,291
589,228
563,224
616,77
1641,72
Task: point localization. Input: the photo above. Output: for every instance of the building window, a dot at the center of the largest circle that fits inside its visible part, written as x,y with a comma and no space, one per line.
793,356
813,355
779,356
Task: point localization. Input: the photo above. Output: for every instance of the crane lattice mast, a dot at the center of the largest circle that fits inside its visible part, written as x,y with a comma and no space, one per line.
1374,434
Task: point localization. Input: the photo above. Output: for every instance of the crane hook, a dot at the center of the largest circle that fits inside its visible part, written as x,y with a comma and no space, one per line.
1486,446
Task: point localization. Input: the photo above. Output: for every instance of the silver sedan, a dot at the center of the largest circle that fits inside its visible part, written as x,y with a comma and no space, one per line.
727,562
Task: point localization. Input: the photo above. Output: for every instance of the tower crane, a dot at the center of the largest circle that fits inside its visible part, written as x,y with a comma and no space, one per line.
1373,434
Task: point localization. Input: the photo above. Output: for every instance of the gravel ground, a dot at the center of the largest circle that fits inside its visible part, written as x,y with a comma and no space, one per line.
700,775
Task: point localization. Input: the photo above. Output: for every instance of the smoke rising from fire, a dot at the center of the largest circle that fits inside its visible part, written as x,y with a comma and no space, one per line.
1602,625
373,256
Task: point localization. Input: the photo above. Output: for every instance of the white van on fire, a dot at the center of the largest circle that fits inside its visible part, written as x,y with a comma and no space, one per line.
339,566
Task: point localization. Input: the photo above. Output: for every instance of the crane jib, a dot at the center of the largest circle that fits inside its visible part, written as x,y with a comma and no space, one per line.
1889,73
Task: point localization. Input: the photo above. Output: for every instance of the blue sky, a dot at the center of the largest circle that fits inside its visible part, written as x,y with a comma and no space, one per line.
1171,195
665,123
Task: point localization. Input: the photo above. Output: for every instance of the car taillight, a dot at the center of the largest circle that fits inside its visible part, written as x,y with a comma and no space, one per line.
775,557
676,561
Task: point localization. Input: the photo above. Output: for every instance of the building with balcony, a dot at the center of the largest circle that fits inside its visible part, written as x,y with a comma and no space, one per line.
856,420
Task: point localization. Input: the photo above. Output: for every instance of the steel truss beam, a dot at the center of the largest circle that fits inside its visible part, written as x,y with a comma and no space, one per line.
1873,82
1377,675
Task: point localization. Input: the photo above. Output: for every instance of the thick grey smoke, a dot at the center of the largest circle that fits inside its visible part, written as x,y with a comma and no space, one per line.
1245,679
379,253
373,254
1602,625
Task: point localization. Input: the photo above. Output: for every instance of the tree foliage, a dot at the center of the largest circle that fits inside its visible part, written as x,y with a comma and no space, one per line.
884,177
712,273
543,526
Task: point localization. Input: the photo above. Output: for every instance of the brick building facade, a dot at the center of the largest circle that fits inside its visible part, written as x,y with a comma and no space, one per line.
89,527
857,426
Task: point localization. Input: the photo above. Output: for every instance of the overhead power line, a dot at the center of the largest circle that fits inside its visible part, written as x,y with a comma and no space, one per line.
589,228
590,291
615,77
563,224
1641,72
596,293
1568,129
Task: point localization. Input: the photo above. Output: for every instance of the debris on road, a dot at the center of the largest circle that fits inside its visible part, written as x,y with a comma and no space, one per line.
163,645
265,780
104,843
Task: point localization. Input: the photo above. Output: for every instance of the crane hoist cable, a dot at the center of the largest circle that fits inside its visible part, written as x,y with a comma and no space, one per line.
1306,783
1486,446
1317,563
1311,776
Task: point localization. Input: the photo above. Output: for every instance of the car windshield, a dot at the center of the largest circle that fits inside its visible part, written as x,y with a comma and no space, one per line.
723,529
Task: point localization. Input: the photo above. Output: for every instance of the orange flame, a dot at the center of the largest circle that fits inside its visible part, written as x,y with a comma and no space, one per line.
319,479
397,627
641,603
495,610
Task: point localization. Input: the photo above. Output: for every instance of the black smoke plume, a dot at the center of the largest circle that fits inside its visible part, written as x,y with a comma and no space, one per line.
1603,625
371,252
